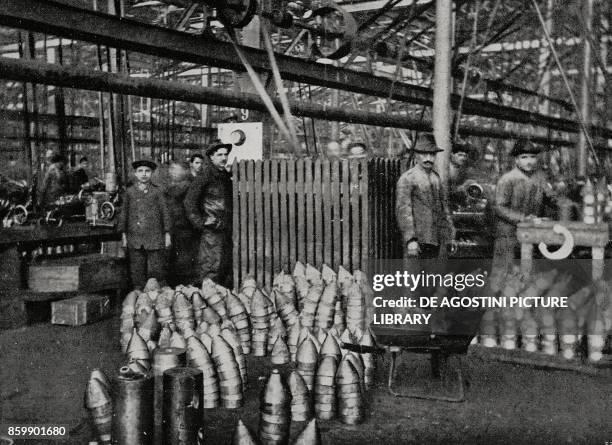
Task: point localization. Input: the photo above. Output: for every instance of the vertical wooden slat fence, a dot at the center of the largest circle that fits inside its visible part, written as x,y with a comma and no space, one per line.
338,212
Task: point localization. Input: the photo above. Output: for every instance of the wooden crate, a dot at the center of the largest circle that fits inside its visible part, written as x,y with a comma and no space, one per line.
87,273
80,310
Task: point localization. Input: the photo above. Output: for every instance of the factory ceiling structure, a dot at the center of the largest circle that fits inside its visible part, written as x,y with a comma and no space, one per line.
160,73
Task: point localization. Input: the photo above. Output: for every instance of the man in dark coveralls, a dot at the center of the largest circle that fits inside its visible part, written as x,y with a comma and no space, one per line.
422,209
520,195
185,239
209,208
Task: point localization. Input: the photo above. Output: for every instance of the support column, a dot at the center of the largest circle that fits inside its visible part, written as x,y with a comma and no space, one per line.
585,95
442,86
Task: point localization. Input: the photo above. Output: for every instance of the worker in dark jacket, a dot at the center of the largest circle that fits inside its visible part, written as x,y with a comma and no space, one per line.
55,182
185,239
80,178
422,207
145,226
520,195
209,208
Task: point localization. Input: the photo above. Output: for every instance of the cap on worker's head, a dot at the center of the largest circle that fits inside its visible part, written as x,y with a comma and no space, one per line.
523,146
217,145
426,144
460,146
357,144
146,162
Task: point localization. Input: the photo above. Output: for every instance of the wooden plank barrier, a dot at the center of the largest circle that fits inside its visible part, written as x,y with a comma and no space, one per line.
337,212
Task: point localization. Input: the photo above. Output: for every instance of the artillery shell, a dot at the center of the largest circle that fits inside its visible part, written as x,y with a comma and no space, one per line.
234,341
210,315
285,307
177,341
182,406
152,285
130,301
324,388
163,359
327,274
301,403
242,435
98,403
275,411
198,303
280,352
293,338
306,361
339,318
330,347
149,328
137,348
230,382
350,406
309,435
325,310
133,409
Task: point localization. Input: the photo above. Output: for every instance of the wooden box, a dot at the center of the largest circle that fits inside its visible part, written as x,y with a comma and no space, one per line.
87,273
80,310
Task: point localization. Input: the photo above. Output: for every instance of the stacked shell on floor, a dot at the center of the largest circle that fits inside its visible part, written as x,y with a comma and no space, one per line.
581,328
306,318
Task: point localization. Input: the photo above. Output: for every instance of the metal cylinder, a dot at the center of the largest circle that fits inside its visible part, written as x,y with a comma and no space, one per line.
182,406
163,359
275,411
132,409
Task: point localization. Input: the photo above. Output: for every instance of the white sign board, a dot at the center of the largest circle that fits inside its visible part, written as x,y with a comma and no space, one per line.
245,137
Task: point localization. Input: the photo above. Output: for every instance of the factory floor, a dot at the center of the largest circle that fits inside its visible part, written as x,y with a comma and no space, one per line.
44,369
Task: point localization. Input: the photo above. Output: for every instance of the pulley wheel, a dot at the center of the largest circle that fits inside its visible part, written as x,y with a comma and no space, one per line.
336,31
237,13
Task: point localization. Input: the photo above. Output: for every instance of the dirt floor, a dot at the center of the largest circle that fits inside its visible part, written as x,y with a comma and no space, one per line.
44,369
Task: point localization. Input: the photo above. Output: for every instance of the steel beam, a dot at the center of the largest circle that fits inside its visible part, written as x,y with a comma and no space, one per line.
80,78
80,24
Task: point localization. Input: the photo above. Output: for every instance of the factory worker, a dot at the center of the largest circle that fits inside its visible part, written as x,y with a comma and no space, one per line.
520,195
209,208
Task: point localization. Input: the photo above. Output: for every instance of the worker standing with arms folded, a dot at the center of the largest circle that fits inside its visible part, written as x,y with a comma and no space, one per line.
209,208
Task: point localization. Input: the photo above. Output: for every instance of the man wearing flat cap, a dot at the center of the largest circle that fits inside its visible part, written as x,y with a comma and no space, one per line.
209,208
144,223
422,207
521,194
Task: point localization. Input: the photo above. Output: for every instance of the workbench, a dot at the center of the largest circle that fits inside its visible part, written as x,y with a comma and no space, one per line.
595,236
